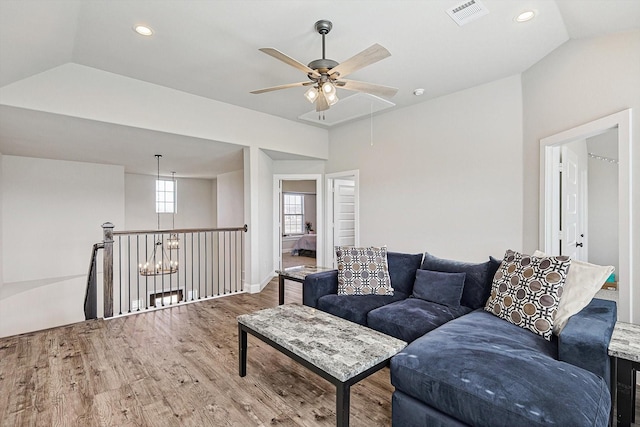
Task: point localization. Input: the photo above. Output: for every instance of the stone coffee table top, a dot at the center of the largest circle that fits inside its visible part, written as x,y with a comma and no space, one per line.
341,348
625,341
301,271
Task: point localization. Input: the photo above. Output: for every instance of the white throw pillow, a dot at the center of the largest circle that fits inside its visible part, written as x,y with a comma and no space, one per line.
584,280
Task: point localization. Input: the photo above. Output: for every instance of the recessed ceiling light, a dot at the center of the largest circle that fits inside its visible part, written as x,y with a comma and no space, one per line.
142,30
418,92
525,16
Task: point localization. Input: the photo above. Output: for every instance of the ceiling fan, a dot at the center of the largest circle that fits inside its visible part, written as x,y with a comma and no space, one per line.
325,75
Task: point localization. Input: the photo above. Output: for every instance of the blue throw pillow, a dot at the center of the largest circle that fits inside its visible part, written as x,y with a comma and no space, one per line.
477,285
441,288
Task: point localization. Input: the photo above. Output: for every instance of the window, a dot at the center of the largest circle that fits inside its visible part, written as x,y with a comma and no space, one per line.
293,213
165,196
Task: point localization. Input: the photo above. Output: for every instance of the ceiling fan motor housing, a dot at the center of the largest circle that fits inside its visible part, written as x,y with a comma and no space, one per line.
322,65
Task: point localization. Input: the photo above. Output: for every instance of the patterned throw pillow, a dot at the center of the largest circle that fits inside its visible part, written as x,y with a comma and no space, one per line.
526,291
363,271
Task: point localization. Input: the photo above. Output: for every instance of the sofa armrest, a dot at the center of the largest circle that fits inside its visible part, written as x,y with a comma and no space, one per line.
317,285
584,341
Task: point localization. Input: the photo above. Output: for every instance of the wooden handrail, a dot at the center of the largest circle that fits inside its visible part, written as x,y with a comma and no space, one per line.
179,230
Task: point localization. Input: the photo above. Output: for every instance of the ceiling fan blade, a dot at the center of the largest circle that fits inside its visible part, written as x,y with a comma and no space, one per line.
289,60
287,86
368,56
321,103
371,88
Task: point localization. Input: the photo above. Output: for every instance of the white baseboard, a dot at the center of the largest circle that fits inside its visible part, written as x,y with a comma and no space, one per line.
255,288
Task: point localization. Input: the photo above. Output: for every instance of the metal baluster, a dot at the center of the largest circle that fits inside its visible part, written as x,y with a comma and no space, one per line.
129,266
213,260
120,272
138,263
184,257
199,270
205,265
146,278
162,267
224,260
155,276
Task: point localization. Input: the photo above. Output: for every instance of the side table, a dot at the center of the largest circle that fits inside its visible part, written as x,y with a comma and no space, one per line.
296,274
625,350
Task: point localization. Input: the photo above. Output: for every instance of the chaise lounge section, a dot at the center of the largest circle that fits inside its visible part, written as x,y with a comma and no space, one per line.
465,366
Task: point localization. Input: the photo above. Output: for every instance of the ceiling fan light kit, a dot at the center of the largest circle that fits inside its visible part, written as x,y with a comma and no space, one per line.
326,75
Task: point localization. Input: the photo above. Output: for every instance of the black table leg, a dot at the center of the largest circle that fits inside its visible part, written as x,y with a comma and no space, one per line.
342,405
624,392
633,388
242,351
281,289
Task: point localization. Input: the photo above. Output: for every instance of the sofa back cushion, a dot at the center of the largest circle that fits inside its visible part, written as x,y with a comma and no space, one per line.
477,282
438,287
402,270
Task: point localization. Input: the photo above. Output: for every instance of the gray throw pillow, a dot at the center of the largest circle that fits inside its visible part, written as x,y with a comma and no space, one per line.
438,287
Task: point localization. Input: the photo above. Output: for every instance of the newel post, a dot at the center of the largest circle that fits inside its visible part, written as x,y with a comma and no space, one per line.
107,269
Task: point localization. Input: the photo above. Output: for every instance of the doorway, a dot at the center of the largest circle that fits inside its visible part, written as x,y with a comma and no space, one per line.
298,220
621,123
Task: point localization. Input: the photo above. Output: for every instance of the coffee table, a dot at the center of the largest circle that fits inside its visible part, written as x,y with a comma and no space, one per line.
296,274
340,351
624,347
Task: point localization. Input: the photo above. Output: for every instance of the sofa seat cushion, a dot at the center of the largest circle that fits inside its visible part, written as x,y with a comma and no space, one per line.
356,307
411,318
485,371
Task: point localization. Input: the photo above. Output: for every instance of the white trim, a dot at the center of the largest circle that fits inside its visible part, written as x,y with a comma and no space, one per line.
254,288
330,178
277,189
621,121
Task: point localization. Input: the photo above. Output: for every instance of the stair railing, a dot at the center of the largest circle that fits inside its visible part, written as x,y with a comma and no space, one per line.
148,269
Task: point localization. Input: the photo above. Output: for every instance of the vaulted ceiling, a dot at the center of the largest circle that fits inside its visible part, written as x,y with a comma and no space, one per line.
210,48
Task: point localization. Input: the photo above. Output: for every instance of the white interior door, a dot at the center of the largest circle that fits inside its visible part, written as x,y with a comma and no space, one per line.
570,205
344,213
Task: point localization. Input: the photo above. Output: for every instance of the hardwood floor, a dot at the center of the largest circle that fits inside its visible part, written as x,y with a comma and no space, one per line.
172,367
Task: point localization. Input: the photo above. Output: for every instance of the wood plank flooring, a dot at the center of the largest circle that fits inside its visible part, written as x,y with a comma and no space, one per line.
172,367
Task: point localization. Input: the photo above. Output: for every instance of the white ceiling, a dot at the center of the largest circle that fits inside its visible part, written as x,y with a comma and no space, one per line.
210,49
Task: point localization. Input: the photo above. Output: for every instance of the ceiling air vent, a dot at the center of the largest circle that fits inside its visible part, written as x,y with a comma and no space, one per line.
467,11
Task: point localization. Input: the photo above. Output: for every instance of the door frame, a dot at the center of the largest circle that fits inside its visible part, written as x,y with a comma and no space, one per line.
621,121
277,226
330,180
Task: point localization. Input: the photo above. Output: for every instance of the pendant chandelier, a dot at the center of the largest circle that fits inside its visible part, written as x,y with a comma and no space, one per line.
159,262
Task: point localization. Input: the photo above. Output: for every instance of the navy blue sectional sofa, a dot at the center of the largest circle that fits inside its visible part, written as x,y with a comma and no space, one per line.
466,367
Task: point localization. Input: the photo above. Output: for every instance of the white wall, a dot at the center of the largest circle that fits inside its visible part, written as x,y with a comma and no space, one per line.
214,202
194,204
72,90
579,82
51,216
1,239
230,190
603,200
266,221
443,176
